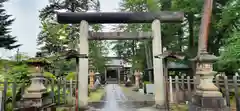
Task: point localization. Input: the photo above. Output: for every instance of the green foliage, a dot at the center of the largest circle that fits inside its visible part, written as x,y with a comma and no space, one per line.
71,76
20,57
229,61
7,41
147,82
55,39
69,5
49,75
182,37
17,73
232,48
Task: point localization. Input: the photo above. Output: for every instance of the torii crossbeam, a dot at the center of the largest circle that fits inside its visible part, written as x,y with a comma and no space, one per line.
119,17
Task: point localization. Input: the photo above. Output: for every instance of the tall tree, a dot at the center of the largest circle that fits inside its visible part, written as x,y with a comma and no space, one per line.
182,37
7,41
68,5
56,38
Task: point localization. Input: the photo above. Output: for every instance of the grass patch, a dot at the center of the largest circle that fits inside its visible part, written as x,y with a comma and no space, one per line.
65,109
179,107
233,104
96,95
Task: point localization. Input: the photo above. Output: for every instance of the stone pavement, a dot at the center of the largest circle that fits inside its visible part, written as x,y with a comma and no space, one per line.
137,96
141,102
124,99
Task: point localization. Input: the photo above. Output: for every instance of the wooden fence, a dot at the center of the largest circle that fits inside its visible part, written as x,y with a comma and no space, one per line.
181,89
61,92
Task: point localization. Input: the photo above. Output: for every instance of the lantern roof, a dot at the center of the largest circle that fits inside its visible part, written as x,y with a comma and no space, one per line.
171,54
174,66
38,61
71,54
204,56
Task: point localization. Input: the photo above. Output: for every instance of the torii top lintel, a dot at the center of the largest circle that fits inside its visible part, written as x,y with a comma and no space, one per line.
119,17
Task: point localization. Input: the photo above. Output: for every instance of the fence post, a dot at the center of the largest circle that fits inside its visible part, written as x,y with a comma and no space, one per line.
236,92
226,91
1,101
23,88
194,82
71,87
3,95
217,81
71,90
58,91
189,87
177,88
64,91
182,82
52,89
14,86
170,89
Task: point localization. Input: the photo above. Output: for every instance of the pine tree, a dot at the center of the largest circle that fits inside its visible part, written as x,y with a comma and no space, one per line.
7,41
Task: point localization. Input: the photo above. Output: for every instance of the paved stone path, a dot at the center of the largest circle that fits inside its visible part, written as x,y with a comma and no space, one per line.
113,96
116,100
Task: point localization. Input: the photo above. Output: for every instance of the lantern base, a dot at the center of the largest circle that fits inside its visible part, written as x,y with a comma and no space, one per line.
85,108
161,107
200,103
38,101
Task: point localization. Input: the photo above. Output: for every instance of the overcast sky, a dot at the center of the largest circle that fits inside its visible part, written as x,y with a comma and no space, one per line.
26,25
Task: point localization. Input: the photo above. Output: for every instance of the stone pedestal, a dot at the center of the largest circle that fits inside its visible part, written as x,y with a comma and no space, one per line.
201,103
207,96
36,95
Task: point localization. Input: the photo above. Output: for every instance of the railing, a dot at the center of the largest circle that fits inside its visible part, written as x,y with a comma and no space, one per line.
61,92
181,89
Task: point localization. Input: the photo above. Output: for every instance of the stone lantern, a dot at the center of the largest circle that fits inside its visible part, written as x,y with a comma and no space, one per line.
125,77
98,76
36,94
97,82
129,77
207,95
128,83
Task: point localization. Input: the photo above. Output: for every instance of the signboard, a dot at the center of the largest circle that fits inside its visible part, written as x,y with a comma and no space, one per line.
150,88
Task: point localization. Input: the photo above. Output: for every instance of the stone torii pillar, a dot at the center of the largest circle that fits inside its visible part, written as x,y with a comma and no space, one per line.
83,66
159,80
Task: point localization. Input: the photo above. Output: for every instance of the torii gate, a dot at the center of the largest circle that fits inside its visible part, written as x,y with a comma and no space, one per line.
120,17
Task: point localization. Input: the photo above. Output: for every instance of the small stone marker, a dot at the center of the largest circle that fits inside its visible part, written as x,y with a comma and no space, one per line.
150,88
141,91
97,83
